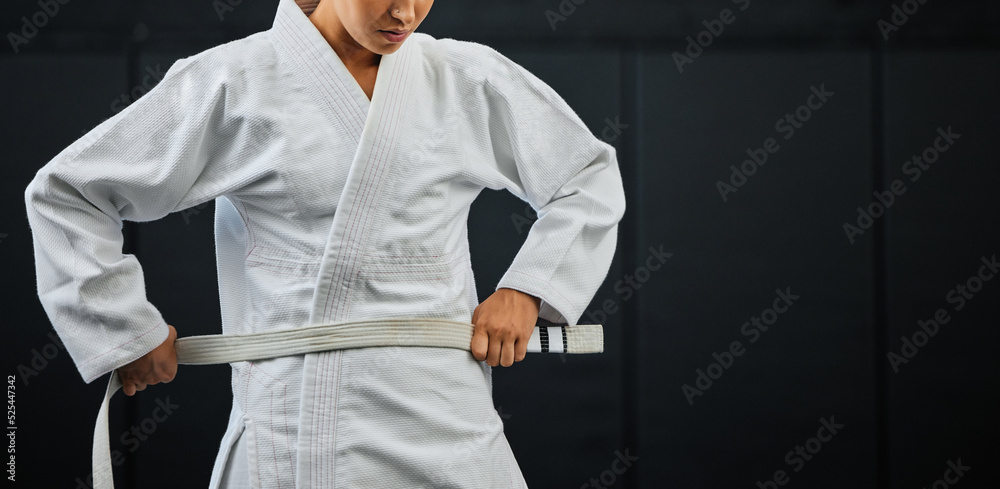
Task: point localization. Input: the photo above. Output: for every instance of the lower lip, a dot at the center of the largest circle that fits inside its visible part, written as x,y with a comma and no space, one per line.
392,37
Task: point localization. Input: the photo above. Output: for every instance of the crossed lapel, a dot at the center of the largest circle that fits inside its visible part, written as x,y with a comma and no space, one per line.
352,223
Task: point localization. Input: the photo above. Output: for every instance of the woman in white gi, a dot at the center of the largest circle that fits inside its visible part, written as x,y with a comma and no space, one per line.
343,151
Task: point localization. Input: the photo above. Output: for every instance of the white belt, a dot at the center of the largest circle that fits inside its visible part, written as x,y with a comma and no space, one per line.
203,350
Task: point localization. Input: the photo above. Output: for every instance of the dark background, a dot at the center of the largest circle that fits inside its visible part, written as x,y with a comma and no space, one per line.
567,417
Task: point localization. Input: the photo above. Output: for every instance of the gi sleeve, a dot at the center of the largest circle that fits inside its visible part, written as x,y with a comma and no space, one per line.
166,152
549,158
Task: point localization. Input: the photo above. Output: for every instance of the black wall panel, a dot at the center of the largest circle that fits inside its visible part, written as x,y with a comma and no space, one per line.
776,242
944,390
51,101
29,26
691,267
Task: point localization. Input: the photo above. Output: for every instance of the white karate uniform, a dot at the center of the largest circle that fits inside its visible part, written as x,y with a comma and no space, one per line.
332,207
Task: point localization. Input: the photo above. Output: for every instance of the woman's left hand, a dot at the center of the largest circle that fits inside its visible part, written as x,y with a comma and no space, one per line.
504,323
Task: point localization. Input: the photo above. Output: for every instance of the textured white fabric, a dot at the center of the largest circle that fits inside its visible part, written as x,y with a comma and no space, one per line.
331,207
229,348
236,474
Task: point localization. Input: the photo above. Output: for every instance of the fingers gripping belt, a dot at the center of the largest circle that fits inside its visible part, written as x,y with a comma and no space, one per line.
211,349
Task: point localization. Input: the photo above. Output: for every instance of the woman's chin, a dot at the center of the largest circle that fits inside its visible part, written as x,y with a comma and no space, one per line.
384,48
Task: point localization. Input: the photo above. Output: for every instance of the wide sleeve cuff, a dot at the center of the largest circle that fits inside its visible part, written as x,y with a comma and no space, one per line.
554,307
123,354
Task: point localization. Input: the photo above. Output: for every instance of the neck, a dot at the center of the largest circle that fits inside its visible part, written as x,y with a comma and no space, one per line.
353,54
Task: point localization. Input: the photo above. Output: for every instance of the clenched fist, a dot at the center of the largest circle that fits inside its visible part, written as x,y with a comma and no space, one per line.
504,323
159,365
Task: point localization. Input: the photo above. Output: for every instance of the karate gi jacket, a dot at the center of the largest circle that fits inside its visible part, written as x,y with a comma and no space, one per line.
329,207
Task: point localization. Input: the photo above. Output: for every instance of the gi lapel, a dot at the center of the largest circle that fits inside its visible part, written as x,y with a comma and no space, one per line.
315,61
373,124
345,246
362,193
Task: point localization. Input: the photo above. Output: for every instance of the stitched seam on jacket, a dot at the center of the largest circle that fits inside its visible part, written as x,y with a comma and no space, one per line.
297,36
386,139
121,345
342,269
348,127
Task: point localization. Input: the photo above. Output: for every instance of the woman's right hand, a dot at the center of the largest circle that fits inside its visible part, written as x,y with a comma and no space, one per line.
159,365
